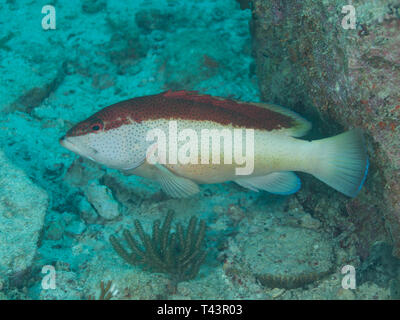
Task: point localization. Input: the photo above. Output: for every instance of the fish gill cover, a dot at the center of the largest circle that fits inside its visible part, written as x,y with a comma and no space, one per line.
58,210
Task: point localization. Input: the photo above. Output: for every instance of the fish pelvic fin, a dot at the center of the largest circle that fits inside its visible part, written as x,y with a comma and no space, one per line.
174,185
341,162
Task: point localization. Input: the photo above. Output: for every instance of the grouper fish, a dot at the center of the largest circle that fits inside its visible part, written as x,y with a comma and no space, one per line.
118,137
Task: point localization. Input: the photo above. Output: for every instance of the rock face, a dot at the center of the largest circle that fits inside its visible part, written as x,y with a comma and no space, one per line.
23,206
340,78
269,256
102,200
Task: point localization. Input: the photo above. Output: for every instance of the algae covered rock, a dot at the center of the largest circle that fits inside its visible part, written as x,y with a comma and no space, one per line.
311,59
23,206
283,257
102,200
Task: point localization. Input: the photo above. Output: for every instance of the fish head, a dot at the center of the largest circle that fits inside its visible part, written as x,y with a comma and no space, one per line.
115,143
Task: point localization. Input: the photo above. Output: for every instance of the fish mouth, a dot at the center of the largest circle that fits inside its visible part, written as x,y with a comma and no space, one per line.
68,144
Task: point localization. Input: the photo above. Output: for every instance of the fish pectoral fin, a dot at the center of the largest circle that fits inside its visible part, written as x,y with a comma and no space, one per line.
283,183
175,186
133,165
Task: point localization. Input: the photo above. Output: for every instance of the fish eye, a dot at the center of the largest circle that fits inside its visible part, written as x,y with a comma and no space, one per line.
96,127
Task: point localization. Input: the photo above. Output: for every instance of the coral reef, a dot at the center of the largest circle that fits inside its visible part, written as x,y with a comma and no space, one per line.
107,51
340,78
178,254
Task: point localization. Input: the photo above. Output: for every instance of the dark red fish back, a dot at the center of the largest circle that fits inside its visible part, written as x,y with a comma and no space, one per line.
188,105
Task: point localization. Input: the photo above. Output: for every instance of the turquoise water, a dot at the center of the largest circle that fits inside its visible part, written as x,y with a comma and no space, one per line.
58,210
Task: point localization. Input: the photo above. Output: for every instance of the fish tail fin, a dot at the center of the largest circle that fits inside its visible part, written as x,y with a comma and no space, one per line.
341,161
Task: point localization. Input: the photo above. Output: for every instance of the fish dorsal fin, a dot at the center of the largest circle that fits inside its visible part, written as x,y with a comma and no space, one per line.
175,186
301,126
283,183
272,118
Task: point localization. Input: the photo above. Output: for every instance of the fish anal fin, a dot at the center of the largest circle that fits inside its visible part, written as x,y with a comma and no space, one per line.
283,183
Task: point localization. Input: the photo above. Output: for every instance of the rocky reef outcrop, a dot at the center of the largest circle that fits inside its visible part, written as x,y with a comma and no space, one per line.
23,206
341,71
